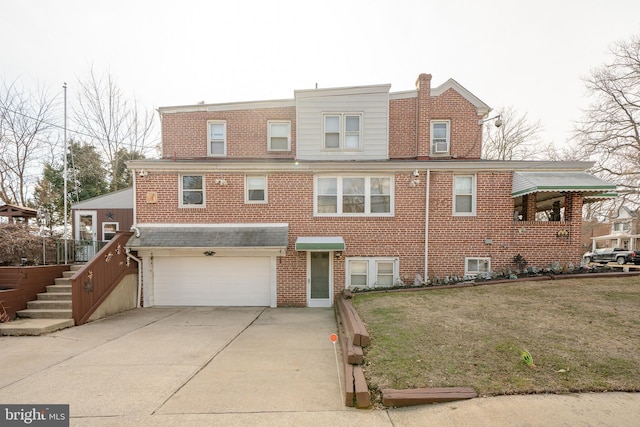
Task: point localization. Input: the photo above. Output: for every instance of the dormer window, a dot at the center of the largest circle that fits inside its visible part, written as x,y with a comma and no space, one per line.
440,144
342,131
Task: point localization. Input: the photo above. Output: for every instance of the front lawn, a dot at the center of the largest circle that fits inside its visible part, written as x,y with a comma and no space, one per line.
582,334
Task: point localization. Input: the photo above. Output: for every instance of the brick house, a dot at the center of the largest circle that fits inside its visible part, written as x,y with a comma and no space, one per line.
289,202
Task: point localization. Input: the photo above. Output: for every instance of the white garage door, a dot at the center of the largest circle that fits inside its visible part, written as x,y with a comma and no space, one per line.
212,281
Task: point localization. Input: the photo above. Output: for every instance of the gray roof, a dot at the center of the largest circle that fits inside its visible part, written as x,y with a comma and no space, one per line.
232,236
122,199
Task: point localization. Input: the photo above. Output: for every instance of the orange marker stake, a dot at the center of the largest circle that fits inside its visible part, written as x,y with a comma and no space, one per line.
334,339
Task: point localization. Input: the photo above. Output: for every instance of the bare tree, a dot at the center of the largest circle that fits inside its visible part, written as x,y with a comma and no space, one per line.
609,131
24,124
515,139
116,125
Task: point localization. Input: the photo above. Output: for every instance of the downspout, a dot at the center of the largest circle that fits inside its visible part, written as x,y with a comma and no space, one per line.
135,218
426,227
139,261
137,234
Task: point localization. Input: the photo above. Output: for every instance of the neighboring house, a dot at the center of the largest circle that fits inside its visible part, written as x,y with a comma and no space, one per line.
97,219
289,202
622,232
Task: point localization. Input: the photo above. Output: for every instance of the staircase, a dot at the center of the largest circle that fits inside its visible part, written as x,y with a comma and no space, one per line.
50,312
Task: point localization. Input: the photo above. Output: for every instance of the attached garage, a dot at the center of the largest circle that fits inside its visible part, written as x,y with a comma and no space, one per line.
225,265
210,281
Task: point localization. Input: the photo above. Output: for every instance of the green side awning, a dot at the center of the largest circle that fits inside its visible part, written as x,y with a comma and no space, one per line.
560,181
320,243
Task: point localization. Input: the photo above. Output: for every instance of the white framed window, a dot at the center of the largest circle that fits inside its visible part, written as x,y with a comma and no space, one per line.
371,272
192,192
440,136
621,226
217,137
353,196
464,195
342,131
385,273
255,189
475,266
109,230
279,135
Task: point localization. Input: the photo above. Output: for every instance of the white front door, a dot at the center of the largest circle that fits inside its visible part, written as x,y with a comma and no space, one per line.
86,235
319,279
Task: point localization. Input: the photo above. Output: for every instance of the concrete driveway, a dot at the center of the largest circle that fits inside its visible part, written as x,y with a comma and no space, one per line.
239,366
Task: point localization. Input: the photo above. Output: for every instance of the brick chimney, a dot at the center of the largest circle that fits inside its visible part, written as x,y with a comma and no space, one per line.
423,86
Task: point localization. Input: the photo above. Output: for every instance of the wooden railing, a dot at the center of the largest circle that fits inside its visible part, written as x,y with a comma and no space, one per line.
92,284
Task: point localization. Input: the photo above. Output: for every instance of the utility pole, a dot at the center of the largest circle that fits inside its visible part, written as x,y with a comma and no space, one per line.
64,175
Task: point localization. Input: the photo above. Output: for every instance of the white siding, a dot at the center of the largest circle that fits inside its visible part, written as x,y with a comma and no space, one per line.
371,101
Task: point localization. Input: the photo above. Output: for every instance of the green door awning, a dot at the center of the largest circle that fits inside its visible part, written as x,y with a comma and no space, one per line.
320,243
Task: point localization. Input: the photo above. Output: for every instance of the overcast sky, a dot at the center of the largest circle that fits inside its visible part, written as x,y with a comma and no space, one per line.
529,55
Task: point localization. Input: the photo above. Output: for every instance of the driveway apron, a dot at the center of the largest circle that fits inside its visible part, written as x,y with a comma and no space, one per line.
178,361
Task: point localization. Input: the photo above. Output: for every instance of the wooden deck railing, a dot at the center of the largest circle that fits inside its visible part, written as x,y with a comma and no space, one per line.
92,284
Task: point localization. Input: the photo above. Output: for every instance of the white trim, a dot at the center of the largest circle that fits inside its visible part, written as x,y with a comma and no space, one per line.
372,270
224,138
474,195
341,91
229,106
433,146
320,302
271,122
94,223
117,224
342,131
264,189
180,191
217,225
294,165
367,195
468,272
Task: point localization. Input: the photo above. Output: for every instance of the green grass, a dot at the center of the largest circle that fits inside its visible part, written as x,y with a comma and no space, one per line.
583,335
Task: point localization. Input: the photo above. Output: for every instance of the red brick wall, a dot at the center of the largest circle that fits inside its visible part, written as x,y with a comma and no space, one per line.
466,142
399,236
184,135
407,140
452,238
402,128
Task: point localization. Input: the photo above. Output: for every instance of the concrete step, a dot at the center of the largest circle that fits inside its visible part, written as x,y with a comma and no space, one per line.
59,288
55,296
76,267
67,274
49,305
34,326
55,313
62,281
